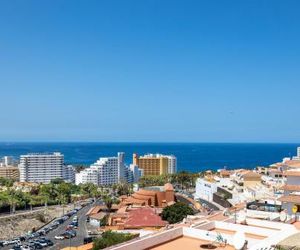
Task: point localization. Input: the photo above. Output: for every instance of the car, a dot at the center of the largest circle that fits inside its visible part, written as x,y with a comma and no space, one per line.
59,237
25,247
72,232
37,245
88,219
87,240
49,242
42,242
16,247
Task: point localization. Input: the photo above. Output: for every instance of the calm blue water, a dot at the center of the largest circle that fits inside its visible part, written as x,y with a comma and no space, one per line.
190,156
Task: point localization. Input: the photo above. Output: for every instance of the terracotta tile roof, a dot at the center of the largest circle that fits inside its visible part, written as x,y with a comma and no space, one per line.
98,216
143,217
291,187
293,163
146,192
94,210
225,173
168,187
292,173
134,201
290,198
251,174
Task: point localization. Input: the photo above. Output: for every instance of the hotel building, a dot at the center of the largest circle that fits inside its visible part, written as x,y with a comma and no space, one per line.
109,170
10,172
42,168
156,164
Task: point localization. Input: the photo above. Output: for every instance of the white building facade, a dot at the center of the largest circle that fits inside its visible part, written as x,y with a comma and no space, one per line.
172,164
205,189
109,170
42,168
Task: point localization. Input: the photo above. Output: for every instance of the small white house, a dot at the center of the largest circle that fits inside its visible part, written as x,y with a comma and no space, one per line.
205,189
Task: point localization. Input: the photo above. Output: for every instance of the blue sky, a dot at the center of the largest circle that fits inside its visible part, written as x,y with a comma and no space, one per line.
192,71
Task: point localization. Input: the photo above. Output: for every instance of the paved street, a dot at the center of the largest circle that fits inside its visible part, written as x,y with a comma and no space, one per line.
81,231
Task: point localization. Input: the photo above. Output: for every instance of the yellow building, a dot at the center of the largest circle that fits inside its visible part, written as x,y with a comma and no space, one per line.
10,172
152,164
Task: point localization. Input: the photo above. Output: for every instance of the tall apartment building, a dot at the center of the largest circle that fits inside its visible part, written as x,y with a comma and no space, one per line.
43,168
298,152
7,161
105,171
156,164
109,170
88,175
11,172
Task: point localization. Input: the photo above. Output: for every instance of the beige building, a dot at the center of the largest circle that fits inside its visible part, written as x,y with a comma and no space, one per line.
251,179
152,164
10,172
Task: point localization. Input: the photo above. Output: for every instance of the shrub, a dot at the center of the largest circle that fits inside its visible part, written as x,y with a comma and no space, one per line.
176,212
110,238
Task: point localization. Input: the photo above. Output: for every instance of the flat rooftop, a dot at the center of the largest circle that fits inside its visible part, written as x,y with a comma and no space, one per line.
189,243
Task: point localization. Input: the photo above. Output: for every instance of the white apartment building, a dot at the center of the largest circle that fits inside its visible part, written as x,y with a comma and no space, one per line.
89,175
205,189
133,173
109,170
43,168
105,171
69,173
172,164
7,161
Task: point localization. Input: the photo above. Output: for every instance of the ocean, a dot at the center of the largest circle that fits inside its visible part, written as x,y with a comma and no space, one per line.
193,157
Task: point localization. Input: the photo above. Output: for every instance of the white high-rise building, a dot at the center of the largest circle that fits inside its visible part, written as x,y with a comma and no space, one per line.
109,170
88,175
43,168
298,152
105,171
7,161
172,164
69,173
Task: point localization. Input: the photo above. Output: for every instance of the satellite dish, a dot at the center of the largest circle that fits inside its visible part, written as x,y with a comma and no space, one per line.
283,216
239,240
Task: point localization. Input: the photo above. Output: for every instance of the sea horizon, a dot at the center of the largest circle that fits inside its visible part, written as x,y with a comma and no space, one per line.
191,156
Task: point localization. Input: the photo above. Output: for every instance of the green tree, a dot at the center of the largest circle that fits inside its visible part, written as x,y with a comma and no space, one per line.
176,212
110,238
6,182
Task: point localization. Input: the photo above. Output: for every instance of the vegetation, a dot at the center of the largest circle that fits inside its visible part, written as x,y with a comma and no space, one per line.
104,221
56,192
110,238
182,180
176,212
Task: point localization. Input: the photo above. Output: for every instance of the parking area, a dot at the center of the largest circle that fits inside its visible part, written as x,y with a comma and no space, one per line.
69,230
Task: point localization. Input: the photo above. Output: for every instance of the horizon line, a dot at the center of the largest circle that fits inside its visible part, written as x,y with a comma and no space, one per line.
154,142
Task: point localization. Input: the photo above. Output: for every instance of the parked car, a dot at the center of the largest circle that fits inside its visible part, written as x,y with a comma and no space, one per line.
25,247
16,247
59,237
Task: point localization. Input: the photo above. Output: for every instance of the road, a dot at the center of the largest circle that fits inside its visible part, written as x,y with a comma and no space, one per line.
81,231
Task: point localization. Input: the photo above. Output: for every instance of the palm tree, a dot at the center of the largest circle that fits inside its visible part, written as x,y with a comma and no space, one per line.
108,202
13,200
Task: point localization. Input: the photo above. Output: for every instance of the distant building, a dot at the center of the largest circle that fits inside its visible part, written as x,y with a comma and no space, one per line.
88,175
10,172
298,153
43,168
69,173
107,171
156,164
7,161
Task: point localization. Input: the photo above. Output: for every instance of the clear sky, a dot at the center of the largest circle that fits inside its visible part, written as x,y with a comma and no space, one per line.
192,71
